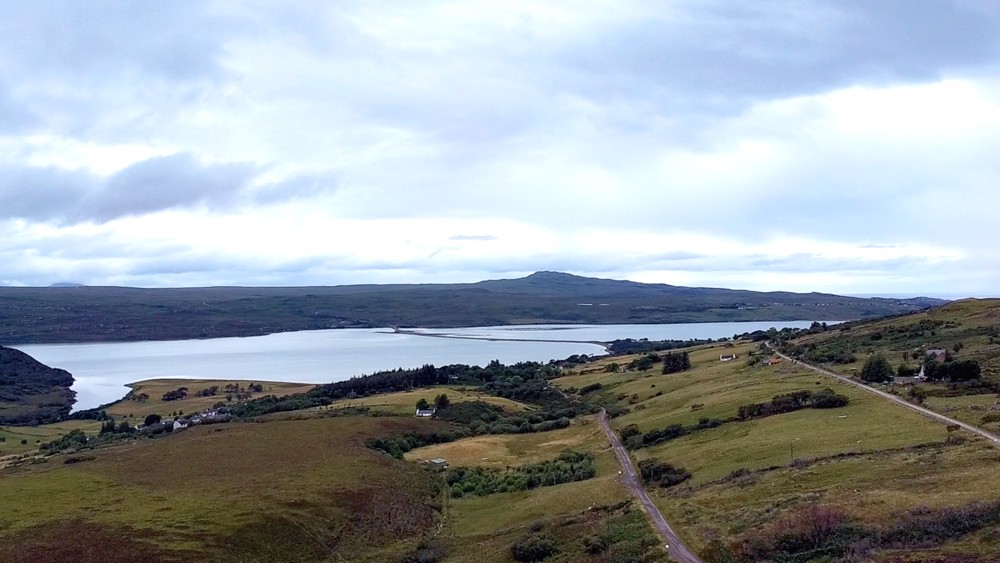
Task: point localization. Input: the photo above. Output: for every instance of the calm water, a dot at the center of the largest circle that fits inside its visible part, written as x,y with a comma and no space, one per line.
102,370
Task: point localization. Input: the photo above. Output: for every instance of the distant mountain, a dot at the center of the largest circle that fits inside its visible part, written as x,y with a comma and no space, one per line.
67,284
87,314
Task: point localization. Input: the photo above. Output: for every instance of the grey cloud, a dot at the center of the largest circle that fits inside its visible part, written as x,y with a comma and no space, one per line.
296,187
719,56
166,182
179,40
62,196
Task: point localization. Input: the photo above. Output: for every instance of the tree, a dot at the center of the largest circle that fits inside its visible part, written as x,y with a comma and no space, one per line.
441,401
673,363
422,404
151,419
877,369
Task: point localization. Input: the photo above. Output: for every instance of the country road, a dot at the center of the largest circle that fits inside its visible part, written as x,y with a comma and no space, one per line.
898,400
630,479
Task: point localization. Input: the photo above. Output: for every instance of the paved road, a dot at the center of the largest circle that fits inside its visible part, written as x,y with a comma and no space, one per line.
631,480
898,400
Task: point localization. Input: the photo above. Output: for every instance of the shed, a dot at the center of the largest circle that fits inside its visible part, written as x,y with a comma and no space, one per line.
438,463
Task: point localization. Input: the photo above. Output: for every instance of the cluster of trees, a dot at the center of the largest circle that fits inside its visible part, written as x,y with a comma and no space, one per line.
109,427
533,547
644,362
176,395
635,439
663,474
788,402
480,481
674,363
954,371
877,369
74,440
642,346
208,391
440,402
398,445
271,404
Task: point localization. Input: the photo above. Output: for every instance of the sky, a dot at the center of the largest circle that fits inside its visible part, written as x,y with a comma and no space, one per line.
847,146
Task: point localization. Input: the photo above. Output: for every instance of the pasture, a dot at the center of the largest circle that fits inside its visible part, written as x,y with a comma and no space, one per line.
281,491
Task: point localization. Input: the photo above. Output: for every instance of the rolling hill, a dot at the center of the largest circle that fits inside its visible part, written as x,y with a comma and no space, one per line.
93,314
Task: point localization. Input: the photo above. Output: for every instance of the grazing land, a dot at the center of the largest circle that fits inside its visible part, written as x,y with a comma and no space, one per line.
870,469
403,403
105,314
306,490
147,397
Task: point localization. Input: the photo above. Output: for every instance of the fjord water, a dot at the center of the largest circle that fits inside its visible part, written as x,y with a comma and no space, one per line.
102,370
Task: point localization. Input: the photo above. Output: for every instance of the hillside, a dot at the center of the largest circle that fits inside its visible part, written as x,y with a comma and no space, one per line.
31,392
965,332
95,314
868,480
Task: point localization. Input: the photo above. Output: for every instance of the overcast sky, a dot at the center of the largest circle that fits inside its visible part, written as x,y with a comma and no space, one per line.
845,146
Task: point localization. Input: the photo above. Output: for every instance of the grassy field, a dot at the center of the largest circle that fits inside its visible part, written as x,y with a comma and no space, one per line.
404,402
33,435
281,491
502,450
135,411
482,529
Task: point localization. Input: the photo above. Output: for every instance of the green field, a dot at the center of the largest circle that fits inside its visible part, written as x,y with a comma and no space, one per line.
404,402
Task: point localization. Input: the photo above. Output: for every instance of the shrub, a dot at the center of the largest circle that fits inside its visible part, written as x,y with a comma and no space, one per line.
535,547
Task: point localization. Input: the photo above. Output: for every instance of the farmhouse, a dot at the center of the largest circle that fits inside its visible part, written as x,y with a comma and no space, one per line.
772,361
938,354
438,463
727,357
425,412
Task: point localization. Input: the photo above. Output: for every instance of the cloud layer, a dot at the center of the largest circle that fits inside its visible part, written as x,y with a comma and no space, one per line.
829,146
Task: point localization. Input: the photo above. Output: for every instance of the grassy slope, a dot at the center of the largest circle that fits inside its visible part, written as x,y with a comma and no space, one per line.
482,529
883,478
404,402
281,491
135,412
972,323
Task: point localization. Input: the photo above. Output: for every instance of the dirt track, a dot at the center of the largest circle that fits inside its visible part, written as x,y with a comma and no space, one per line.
630,478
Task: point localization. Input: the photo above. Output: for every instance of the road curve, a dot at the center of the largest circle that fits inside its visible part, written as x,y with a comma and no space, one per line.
630,479
993,439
